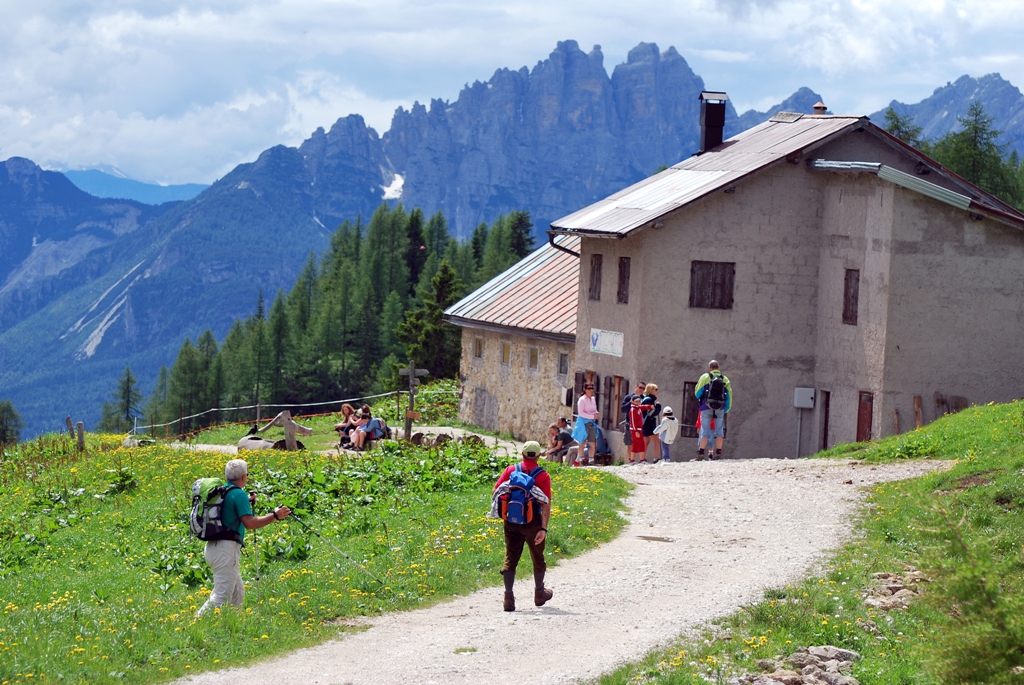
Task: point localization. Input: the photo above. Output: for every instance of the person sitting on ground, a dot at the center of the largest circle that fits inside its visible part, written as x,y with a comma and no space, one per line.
559,442
369,429
347,424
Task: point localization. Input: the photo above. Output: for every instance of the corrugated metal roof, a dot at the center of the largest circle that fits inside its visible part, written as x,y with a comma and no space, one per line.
536,296
698,176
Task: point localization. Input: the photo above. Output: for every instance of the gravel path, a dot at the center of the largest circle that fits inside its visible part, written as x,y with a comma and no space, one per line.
703,538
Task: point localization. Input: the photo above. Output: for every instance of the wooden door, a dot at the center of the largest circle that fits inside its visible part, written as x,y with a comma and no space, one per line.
864,414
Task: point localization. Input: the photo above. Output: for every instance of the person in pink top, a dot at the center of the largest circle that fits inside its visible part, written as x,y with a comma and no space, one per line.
588,415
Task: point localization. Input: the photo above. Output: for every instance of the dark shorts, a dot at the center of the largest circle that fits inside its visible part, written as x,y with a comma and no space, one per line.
591,427
515,538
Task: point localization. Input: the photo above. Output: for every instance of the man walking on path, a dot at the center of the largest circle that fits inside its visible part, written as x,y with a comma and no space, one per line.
224,556
715,395
532,534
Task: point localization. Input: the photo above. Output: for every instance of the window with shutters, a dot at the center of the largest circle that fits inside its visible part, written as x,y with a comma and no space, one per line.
595,276
623,295
851,295
478,348
711,284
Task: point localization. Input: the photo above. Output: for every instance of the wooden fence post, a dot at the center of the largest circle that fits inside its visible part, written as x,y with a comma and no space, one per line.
918,422
71,426
81,435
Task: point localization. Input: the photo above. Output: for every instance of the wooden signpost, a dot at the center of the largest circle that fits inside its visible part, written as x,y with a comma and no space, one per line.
412,372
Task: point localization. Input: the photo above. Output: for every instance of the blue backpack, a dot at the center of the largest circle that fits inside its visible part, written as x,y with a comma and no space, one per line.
518,507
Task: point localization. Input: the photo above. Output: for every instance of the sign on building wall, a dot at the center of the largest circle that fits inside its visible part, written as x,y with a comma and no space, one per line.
606,342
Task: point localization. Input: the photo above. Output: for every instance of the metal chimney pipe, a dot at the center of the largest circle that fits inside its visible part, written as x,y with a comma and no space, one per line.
712,119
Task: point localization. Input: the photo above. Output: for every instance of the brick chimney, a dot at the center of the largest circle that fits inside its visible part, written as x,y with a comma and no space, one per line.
712,119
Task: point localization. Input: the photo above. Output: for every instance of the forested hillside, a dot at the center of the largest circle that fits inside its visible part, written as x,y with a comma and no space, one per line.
350,319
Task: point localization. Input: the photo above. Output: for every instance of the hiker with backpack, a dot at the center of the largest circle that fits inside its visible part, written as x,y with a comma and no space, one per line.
368,429
522,497
715,395
221,513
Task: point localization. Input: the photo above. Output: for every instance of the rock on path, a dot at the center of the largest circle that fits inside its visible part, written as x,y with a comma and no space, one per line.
703,539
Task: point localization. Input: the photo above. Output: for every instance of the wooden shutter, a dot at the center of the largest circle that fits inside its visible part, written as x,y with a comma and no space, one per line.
577,390
606,411
595,276
688,417
711,284
623,294
851,296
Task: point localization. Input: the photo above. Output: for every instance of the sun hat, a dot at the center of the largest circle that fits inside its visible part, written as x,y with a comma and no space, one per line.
531,448
667,410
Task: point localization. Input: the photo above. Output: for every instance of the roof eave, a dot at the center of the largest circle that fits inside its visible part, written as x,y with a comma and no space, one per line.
514,330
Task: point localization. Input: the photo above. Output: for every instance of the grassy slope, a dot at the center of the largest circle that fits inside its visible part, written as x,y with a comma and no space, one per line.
99,578
963,527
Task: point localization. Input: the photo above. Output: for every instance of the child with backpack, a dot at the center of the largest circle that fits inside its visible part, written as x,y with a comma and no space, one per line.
715,395
522,495
636,418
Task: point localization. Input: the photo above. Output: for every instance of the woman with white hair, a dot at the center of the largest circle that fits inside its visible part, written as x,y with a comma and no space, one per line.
224,556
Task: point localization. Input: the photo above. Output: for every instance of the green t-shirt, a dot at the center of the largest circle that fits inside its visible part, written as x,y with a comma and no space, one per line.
236,505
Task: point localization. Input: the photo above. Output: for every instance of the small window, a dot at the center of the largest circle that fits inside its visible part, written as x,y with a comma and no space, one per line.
851,295
711,284
478,348
623,295
506,353
595,276
563,363
533,359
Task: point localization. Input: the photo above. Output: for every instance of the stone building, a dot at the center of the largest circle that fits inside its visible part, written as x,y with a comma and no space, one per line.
824,263
518,341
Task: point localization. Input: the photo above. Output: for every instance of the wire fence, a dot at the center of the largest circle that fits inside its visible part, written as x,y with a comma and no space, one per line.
263,411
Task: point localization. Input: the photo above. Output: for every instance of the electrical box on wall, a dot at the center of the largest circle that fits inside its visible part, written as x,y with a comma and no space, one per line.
803,398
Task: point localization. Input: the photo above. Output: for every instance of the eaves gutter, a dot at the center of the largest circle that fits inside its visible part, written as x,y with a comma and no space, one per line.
514,330
918,185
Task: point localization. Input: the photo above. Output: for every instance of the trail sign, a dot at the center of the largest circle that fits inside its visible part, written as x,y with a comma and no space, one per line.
412,372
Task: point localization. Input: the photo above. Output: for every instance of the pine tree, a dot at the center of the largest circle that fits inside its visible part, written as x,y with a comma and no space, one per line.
436,236
520,232
11,424
479,243
903,127
974,153
156,406
390,317
430,341
416,252
187,385
278,334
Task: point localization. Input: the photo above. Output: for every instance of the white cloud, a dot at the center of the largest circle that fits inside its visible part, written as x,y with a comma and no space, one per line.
182,90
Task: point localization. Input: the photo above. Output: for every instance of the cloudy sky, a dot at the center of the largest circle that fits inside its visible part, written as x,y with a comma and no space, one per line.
176,91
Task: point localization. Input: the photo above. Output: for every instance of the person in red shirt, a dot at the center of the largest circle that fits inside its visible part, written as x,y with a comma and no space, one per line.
637,447
532,534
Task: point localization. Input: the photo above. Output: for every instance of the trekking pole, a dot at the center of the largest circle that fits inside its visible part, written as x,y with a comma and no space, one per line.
256,549
354,562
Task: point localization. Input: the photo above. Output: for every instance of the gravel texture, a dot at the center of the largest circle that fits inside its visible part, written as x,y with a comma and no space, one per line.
703,539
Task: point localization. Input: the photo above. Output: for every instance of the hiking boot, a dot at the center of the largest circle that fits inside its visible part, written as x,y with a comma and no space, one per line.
541,596
510,602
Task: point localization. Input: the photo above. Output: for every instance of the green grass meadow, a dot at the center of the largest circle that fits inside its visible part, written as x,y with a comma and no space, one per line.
100,579
964,528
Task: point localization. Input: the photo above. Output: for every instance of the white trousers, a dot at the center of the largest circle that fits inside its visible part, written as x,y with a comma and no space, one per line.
224,557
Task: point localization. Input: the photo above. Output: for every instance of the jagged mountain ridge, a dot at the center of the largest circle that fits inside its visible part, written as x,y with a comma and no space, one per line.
937,114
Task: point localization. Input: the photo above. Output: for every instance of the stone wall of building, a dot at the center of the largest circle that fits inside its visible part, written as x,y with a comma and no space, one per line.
513,397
